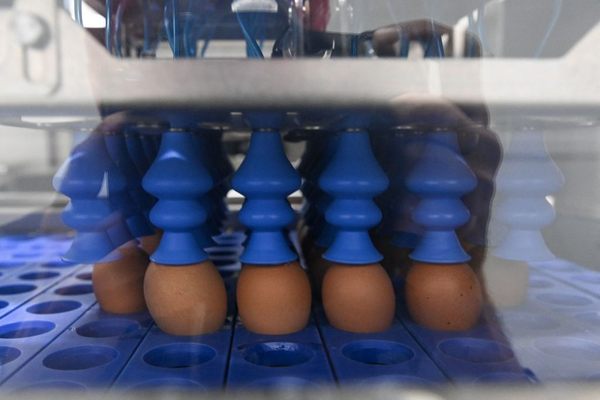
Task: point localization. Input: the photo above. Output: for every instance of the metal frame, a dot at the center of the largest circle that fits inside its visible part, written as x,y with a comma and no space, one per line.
83,78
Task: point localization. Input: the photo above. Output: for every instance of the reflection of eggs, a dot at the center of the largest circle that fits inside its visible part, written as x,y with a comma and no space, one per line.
273,299
443,296
119,285
358,298
505,281
186,299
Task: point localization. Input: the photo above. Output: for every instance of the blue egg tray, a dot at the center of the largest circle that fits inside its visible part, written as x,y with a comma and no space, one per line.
53,335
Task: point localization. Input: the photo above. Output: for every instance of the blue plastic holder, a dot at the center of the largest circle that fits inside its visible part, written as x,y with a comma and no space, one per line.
440,178
133,200
30,327
89,355
83,178
278,361
482,354
266,178
178,179
353,178
165,361
392,356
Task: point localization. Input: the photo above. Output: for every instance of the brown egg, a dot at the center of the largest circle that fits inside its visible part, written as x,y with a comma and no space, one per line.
505,282
150,243
443,296
186,300
358,298
119,285
273,300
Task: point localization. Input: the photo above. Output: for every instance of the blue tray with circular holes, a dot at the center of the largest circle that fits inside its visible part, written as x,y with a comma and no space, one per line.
392,356
30,327
276,361
182,363
53,335
89,355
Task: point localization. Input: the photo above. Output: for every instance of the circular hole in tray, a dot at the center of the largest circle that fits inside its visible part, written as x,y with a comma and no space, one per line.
74,290
590,317
58,264
8,354
19,330
32,276
281,383
378,352
84,276
561,299
16,289
54,307
540,283
504,377
570,348
169,384
80,357
529,321
110,327
55,385
180,355
278,354
476,350
3,304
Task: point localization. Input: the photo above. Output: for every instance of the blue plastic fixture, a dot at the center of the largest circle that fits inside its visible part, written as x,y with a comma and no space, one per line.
266,178
353,178
87,177
178,179
440,178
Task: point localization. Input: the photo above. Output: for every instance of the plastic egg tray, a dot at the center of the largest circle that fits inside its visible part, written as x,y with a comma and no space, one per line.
53,335
556,332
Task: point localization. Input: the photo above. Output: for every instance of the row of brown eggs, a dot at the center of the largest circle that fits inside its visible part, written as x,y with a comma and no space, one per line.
191,299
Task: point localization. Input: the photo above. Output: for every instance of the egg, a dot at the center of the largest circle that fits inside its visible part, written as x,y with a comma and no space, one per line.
119,284
186,300
443,297
505,282
150,243
358,298
273,299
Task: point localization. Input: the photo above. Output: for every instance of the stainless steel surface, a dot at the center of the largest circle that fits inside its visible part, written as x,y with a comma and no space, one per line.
89,79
